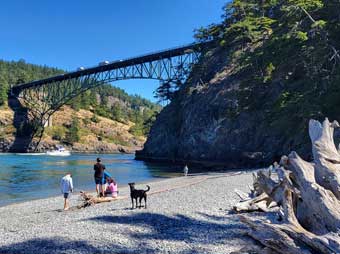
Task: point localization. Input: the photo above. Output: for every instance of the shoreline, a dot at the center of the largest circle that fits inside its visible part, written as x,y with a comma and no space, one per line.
76,193
181,210
152,180
72,152
203,164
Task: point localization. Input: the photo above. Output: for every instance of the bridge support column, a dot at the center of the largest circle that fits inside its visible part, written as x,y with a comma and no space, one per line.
48,122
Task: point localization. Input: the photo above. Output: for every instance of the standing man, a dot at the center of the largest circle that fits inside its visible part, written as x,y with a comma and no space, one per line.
66,186
98,177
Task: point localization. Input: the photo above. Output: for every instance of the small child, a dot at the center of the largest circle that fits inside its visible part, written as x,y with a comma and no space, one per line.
112,188
66,186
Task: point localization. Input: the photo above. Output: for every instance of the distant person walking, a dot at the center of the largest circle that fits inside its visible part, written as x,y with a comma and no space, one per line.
185,170
99,177
66,186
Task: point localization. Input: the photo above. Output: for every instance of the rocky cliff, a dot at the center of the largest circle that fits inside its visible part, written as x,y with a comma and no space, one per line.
249,99
202,125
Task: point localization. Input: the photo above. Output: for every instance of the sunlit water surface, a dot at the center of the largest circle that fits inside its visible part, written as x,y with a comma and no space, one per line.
27,177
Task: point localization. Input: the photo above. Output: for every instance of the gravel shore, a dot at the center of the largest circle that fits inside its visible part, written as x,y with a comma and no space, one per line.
184,215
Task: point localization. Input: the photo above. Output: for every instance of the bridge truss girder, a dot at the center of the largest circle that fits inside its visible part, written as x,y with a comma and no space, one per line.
43,100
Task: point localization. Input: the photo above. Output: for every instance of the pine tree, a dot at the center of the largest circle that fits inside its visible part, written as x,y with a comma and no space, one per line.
3,91
72,135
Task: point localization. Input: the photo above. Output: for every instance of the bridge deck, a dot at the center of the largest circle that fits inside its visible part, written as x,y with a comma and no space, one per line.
115,65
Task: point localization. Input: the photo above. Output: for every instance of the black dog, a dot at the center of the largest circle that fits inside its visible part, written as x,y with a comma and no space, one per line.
135,194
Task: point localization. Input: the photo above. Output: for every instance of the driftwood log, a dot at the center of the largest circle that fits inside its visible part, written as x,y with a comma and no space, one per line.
301,199
89,200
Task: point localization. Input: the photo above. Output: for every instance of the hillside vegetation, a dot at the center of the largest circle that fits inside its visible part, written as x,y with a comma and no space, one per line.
274,66
79,130
91,108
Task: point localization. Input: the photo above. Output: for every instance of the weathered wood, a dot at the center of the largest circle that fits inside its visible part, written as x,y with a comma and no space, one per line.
318,209
89,200
326,156
308,196
243,196
286,239
258,203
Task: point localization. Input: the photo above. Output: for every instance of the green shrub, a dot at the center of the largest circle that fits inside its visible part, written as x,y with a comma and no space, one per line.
95,119
72,135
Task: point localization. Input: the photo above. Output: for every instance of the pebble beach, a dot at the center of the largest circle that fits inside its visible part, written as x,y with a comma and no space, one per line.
184,215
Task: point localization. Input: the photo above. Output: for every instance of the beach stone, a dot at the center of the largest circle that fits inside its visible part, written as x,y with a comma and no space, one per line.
187,218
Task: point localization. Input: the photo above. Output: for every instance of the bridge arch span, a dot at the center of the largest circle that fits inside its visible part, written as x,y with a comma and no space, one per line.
44,97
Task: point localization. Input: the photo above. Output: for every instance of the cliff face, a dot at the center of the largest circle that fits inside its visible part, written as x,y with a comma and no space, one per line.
274,66
220,117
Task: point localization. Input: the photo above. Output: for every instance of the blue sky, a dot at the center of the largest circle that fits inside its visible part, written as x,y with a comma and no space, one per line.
73,33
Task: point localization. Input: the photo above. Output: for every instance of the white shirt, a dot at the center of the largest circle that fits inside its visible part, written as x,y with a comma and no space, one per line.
66,184
185,170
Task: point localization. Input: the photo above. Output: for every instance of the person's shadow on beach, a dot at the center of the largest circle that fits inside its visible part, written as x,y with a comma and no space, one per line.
178,227
197,232
57,245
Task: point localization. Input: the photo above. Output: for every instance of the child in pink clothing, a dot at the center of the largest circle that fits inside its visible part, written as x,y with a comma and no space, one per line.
112,188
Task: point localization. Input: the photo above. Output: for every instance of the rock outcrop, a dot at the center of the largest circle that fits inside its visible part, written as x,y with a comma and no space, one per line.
220,117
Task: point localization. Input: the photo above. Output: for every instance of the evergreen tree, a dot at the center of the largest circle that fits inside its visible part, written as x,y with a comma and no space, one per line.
72,135
166,91
3,91
117,114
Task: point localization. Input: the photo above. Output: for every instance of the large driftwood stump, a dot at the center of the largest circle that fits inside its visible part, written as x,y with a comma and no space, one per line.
306,195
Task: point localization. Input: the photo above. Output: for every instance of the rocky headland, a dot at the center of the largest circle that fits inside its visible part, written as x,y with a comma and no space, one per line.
249,99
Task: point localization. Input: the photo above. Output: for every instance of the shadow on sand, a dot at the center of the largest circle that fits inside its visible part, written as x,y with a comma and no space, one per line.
175,228
196,233
58,245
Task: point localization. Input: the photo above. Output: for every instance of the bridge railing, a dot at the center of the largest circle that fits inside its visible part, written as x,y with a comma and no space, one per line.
192,45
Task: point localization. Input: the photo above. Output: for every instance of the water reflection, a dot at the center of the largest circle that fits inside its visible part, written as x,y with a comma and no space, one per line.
25,177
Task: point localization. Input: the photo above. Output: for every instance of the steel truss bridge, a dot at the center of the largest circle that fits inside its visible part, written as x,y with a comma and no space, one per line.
44,97
36,101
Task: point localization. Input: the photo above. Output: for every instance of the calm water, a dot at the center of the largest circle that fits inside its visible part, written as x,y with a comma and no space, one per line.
26,177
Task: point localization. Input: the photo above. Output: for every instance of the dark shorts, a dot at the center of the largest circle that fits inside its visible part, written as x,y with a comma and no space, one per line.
98,180
66,195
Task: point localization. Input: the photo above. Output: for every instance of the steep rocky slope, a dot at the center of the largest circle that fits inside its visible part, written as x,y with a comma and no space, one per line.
251,96
201,126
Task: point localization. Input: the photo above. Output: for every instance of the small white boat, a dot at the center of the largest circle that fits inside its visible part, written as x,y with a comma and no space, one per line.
60,151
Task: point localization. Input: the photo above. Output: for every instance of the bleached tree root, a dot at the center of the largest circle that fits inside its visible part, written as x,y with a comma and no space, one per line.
308,197
286,238
258,203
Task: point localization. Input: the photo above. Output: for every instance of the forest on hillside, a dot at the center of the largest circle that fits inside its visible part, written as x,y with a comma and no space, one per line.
294,42
106,101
